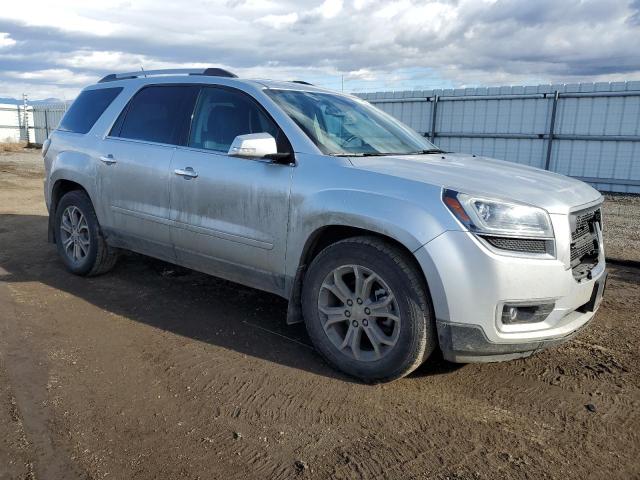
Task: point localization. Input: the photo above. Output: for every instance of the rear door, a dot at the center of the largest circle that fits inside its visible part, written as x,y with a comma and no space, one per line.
230,213
135,167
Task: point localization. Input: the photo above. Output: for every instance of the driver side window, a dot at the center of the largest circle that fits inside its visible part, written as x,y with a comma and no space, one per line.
221,115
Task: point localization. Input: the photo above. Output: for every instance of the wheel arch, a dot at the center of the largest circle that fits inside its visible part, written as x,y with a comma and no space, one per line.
327,235
60,187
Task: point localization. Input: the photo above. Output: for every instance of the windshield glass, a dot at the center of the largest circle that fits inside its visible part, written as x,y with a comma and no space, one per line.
341,125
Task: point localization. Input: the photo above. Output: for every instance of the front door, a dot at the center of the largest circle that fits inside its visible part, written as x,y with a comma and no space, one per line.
230,214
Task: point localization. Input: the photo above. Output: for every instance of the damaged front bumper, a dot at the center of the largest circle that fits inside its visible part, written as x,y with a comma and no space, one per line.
470,285
468,344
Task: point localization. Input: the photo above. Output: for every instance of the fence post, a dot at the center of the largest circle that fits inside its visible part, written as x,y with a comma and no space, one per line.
25,121
46,122
552,125
19,122
434,110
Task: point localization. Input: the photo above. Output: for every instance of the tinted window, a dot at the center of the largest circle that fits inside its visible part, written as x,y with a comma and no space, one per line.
158,114
222,115
87,108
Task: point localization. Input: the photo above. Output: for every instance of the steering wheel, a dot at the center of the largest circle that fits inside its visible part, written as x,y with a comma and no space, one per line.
349,140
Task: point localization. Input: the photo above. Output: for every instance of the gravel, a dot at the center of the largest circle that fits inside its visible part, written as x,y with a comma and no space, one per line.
622,227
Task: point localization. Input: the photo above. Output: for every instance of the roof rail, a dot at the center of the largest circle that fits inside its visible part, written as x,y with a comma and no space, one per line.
217,72
302,82
210,72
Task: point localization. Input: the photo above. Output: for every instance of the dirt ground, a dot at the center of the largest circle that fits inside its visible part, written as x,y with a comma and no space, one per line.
621,215
155,372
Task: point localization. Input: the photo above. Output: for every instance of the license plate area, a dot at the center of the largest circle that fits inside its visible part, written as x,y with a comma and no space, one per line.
596,296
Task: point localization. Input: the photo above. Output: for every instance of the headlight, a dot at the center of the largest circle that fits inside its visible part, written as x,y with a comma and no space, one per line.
497,217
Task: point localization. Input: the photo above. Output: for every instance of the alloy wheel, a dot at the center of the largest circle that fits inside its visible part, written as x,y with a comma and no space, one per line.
359,312
74,233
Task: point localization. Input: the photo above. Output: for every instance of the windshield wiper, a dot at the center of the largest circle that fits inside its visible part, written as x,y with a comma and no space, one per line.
382,154
362,154
427,152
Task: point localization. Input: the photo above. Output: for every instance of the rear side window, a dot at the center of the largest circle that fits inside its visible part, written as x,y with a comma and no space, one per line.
159,114
87,108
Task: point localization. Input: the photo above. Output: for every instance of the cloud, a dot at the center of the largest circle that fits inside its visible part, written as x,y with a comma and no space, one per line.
71,14
373,44
6,40
330,8
56,76
361,74
279,21
634,18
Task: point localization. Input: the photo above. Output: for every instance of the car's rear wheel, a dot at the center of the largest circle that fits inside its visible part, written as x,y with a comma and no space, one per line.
79,241
367,309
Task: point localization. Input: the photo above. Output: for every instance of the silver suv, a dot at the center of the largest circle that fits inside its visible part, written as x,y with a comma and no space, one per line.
386,246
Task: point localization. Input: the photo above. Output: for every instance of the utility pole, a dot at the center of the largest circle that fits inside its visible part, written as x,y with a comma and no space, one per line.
25,117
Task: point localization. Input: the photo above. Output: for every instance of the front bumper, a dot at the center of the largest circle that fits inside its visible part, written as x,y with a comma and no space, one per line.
469,284
469,344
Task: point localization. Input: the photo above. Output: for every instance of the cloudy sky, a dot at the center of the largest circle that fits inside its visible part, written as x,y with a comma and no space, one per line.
54,48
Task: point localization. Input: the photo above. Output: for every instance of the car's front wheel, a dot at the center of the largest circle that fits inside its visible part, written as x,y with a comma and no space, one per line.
79,241
367,309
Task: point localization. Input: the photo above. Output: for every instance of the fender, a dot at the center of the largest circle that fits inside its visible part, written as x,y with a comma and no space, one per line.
406,222
333,191
410,225
76,167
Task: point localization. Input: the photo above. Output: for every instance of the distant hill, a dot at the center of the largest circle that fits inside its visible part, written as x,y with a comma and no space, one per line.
15,101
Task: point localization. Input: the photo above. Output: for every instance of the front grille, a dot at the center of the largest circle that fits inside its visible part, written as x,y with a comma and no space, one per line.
583,245
585,241
525,245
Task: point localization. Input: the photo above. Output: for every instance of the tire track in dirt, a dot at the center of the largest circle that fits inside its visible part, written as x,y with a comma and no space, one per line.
16,454
51,458
237,386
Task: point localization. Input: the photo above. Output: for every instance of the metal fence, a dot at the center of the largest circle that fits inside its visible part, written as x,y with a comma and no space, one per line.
46,118
590,131
12,123
31,124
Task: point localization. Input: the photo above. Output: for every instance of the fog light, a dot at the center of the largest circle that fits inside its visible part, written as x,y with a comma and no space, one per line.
521,313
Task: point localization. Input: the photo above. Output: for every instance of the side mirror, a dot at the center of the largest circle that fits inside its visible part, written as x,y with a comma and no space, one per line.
253,145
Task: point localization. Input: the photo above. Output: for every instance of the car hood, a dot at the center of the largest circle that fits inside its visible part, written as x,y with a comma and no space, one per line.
486,176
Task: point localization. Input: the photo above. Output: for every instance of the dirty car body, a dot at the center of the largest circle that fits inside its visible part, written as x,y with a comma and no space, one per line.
510,256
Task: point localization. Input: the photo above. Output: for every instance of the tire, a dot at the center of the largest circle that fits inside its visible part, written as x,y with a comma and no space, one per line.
387,276
93,256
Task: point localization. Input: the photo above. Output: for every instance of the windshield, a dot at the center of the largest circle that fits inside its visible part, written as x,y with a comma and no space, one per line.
341,125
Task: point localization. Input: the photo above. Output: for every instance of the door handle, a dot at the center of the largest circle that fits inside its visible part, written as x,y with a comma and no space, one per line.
108,159
187,172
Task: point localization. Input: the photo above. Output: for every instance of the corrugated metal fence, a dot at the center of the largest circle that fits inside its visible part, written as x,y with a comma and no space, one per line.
589,131
12,123
32,124
46,117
